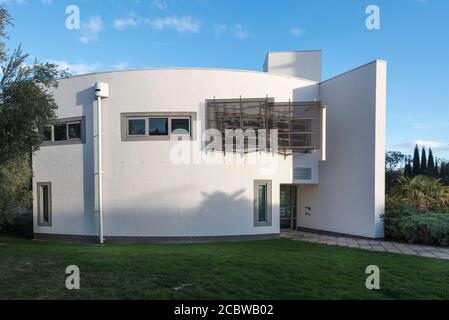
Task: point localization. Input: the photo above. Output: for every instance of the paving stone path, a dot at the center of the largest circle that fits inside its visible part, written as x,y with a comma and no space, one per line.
367,244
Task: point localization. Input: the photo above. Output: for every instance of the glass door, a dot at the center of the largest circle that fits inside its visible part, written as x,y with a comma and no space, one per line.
288,207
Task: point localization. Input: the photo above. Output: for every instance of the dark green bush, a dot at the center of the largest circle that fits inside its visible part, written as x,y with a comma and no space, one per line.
428,228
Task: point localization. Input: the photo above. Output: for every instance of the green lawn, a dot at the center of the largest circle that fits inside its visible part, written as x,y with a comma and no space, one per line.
276,269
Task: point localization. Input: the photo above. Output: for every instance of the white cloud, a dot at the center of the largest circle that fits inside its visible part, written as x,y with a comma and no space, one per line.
296,32
90,29
181,24
122,24
435,145
77,69
240,32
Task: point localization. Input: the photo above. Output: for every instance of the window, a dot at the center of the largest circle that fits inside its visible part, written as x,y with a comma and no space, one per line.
65,131
180,125
136,127
74,129
262,203
60,132
48,133
44,204
158,126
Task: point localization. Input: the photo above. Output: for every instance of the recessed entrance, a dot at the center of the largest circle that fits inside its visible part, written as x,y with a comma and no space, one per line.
288,207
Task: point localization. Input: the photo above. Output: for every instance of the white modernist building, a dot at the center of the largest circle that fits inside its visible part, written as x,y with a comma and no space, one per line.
189,154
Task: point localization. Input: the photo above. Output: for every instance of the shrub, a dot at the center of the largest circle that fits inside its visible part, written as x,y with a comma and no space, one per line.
422,193
429,228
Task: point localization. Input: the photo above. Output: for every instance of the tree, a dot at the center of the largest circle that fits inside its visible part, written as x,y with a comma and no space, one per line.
408,167
394,160
416,162
26,107
431,164
423,169
15,195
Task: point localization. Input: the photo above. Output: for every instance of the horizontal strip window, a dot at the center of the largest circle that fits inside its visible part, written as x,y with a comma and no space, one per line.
158,126
65,131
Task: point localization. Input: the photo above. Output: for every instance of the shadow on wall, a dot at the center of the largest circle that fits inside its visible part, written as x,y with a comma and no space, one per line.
85,99
218,213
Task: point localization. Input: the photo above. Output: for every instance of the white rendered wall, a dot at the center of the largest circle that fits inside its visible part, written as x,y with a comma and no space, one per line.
145,194
301,64
350,196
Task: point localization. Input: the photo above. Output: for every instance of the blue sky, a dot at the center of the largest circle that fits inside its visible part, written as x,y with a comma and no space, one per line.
126,34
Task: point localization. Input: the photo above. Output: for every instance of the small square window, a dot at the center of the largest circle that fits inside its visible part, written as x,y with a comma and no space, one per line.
47,133
180,126
60,132
74,130
158,126
136,127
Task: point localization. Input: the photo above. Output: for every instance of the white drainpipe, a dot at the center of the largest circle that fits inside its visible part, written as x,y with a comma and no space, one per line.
101,91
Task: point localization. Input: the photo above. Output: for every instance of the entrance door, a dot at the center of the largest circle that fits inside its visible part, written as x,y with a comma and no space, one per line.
288,207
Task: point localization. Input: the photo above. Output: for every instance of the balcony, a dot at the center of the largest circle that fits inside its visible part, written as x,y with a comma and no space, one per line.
299,125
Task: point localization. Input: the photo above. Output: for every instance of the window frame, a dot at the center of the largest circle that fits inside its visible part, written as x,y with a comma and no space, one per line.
68,131
168,126
67,141
40,217
136,135
191,116
268,206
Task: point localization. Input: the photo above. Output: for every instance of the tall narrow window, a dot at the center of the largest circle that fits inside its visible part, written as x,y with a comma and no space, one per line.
262,203
44,204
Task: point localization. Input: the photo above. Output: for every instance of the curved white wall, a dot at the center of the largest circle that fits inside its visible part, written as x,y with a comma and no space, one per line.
145,194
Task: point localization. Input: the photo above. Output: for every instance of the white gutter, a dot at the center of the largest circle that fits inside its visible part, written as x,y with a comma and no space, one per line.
101,91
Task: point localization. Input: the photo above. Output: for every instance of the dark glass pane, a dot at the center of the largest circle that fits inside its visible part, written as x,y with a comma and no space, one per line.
158,126
262,203
47,133
136,127
45,200
60,132
180,124
74,130
285,224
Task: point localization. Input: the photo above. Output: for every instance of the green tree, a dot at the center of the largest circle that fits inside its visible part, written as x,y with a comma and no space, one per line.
408,167
15,195
26,107
431,164
423,168
416,162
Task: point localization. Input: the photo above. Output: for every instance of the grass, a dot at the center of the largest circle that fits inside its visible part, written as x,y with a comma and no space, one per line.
275,269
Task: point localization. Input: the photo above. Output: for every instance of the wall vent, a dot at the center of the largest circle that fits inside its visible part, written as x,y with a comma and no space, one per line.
302,174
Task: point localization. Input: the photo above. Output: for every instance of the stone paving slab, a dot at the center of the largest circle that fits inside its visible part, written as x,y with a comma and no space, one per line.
367,244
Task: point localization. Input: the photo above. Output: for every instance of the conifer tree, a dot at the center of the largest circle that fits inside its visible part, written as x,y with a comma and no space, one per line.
431,164
416,166
423,169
